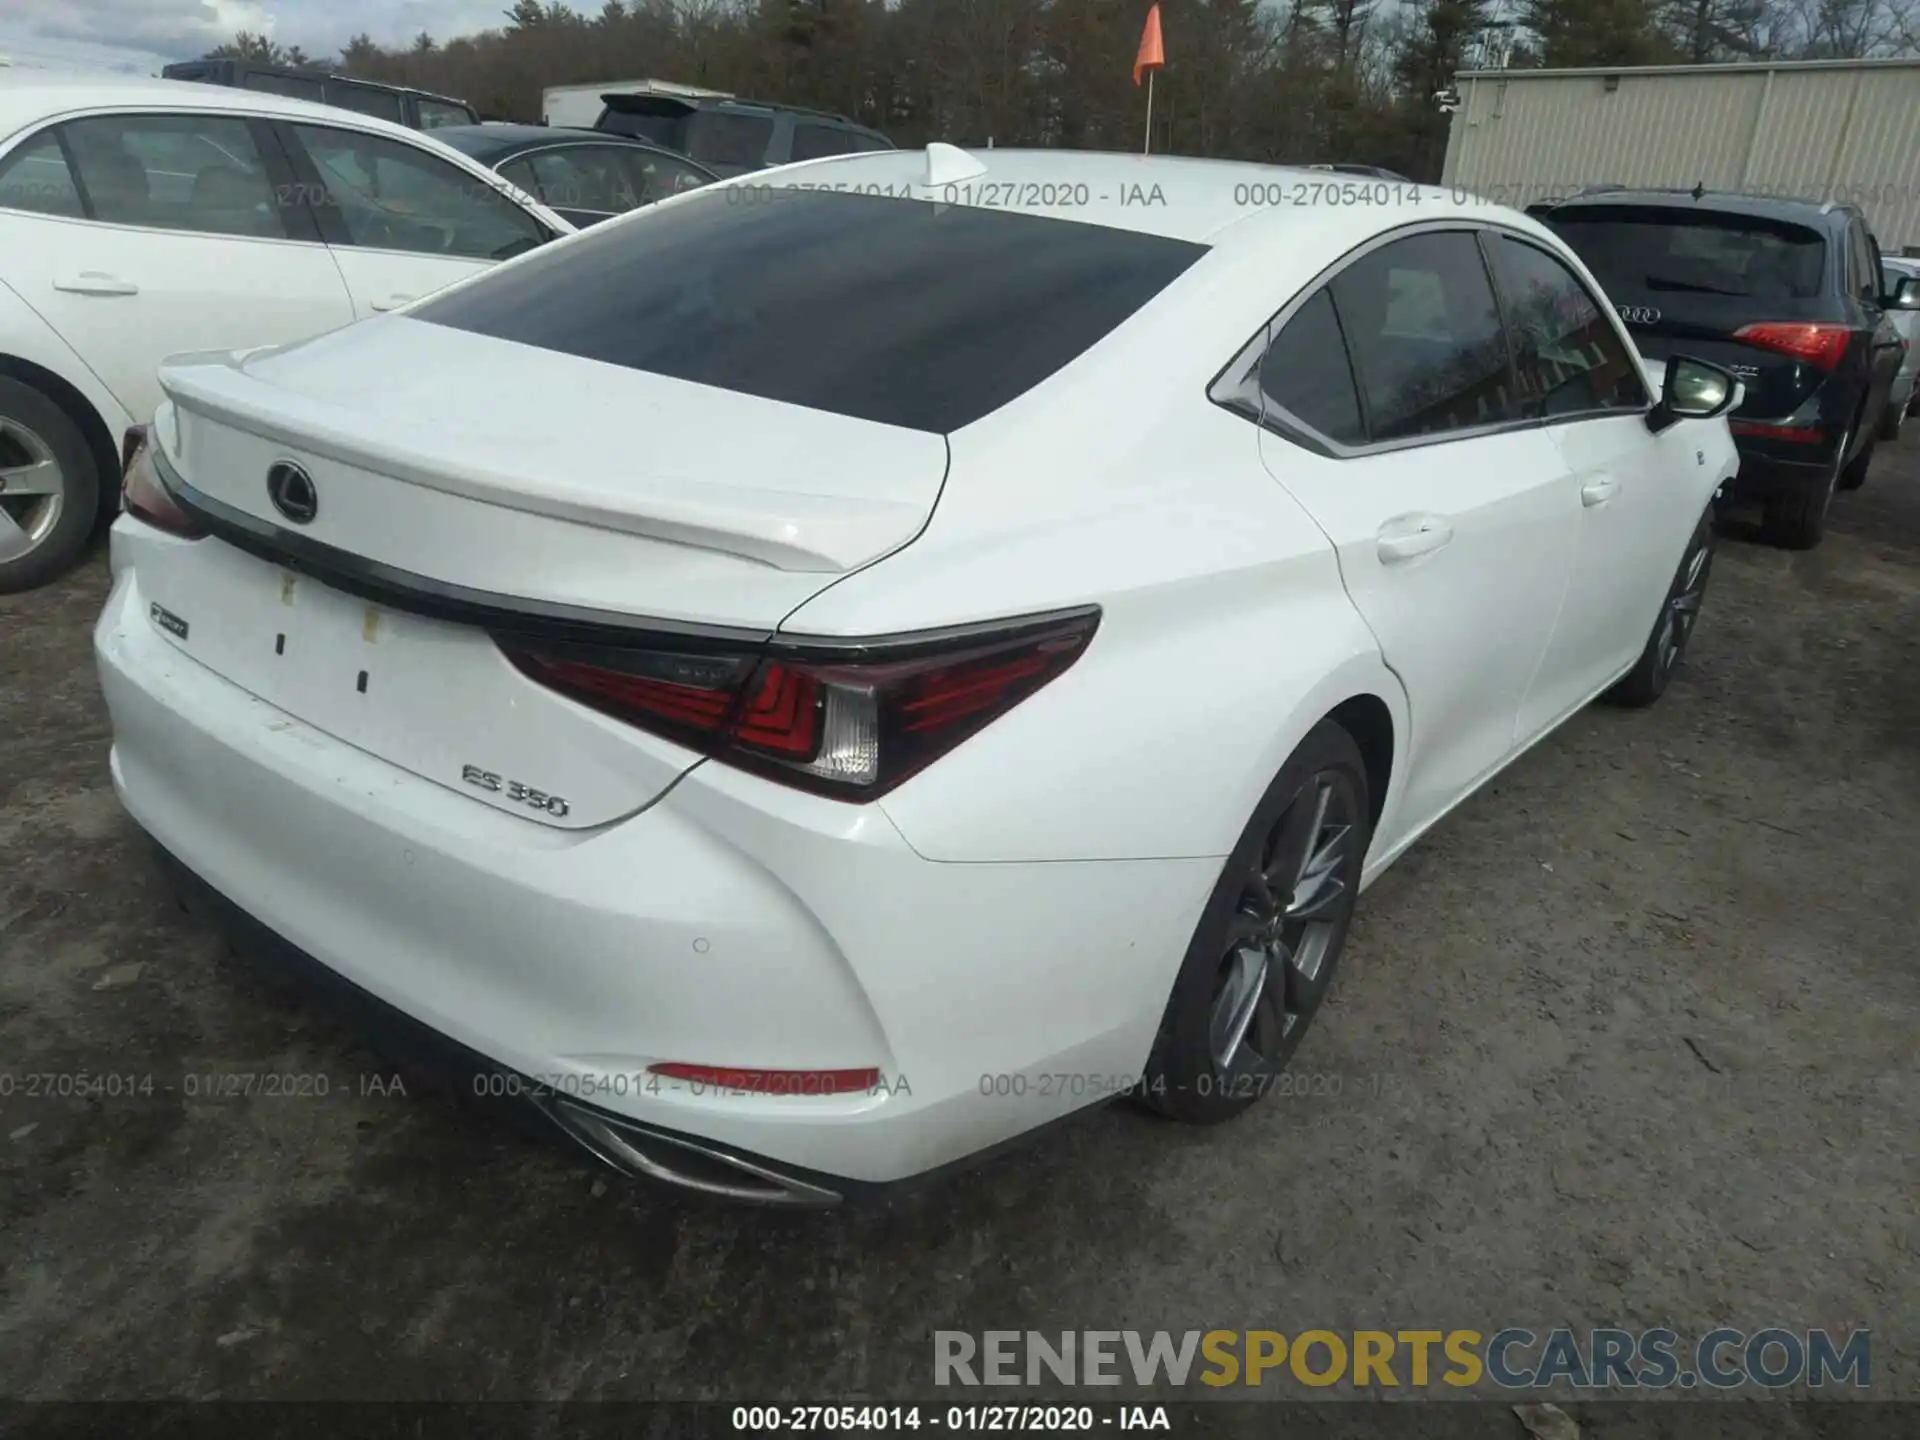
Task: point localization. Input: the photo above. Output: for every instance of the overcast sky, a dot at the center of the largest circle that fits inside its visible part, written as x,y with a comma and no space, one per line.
143,34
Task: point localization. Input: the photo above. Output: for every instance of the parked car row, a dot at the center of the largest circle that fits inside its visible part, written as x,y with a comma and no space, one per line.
1792,296
810,691
143,218
401,104
722,132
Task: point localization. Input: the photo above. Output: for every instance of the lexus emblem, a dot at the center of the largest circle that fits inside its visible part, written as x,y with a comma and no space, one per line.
291,490
1638,314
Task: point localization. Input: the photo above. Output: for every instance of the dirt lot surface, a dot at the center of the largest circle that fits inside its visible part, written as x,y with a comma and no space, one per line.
1632,1040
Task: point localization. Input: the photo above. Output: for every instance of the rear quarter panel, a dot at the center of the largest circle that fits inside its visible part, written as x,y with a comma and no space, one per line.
1225,632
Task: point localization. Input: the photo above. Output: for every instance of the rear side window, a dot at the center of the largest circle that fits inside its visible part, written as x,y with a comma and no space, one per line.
1425,337
1636,250
655,176
815,142
1865,272
437,113
390,195
890,310
1306,373
365,100
35,177
176,172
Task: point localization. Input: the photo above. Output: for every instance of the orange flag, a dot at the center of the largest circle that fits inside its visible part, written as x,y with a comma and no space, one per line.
1152,56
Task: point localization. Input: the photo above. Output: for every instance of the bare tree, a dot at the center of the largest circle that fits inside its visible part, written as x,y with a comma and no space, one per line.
1276,80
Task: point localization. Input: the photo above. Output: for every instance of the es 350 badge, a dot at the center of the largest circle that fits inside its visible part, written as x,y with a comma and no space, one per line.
495,784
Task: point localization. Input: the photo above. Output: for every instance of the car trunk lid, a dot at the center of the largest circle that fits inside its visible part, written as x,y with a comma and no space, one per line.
587,504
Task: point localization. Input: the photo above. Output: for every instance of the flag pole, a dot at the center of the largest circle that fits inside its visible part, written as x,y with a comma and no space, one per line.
1147,148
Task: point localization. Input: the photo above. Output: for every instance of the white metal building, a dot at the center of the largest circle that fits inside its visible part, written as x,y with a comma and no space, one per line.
1846,130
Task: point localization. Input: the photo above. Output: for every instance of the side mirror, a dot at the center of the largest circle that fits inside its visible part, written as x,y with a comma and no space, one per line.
1693,390
1907,297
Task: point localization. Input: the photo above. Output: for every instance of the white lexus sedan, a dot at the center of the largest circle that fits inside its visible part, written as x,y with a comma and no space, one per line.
143,217
832,672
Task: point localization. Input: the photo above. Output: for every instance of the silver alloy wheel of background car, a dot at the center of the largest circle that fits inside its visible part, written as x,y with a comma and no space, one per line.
1291,904
33,490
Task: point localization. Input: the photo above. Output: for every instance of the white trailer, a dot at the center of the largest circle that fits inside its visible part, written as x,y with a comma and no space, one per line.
1840,130
579,106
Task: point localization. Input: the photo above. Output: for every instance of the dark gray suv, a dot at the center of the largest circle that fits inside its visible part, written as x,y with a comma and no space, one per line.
732,137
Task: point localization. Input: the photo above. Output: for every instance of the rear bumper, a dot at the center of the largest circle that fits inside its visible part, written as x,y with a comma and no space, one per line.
1761,477
1771,466
684,1160
731,923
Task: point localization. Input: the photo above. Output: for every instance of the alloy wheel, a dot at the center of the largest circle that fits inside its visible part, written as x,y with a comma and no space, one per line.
1294,901
1683,609
32,490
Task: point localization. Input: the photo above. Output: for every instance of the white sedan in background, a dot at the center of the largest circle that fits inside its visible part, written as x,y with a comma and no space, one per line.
142,218
904,666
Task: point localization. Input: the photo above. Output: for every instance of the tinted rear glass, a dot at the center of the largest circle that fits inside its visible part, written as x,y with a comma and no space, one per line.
890,310
728,141
1632,250
363,99
665,130
295,86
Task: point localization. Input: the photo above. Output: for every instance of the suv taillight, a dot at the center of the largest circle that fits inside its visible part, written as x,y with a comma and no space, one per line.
1819,345
143,496
850,721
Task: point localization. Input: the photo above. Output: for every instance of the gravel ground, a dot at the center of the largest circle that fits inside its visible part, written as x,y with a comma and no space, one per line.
1629,1041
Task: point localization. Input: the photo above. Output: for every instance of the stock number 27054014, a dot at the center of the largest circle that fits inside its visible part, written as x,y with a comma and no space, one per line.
496,784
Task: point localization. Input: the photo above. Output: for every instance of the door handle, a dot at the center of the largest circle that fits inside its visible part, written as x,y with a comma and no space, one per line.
1409,536
1598,490
95,282
394,302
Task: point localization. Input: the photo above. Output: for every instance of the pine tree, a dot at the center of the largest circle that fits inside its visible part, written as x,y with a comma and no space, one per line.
1443,33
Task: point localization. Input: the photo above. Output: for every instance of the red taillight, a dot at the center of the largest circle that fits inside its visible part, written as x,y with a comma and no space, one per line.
770,1082
686,698
142,494
1793,434
1820,346
851,721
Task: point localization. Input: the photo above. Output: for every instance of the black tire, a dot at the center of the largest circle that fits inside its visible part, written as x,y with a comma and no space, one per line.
1315,809
1890,422
1796,519
1854,475
1673,627
31,423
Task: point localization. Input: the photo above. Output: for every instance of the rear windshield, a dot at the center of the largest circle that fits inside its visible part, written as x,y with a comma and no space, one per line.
1664,251
728,142
883,309
661,129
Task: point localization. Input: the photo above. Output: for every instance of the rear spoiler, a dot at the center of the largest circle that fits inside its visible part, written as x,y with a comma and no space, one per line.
668,106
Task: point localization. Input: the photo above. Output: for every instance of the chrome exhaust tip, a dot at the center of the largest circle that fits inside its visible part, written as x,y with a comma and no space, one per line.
686,1164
